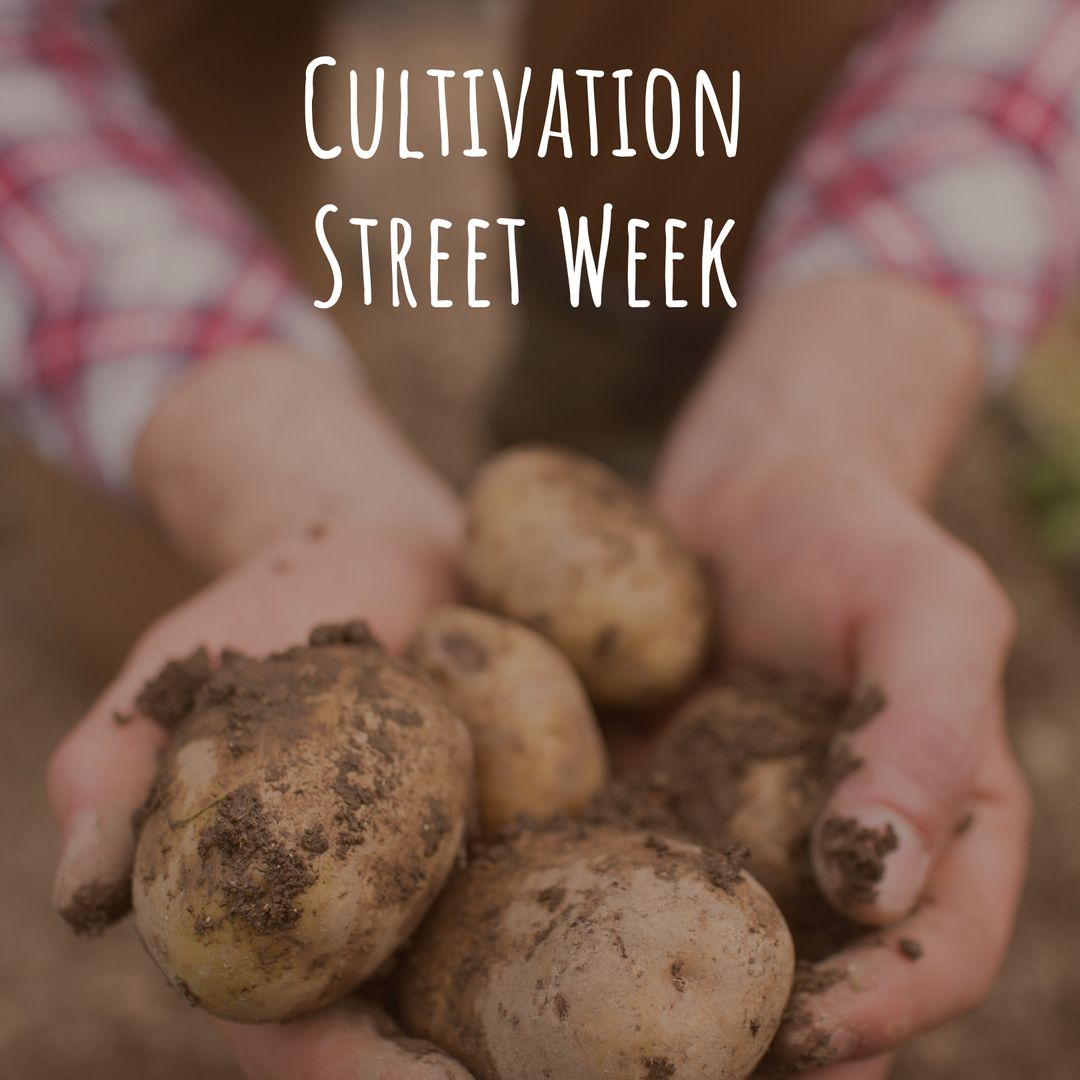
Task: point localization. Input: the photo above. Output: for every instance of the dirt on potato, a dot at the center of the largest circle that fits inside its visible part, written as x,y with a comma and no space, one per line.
250,692
698,785
661,957
306,812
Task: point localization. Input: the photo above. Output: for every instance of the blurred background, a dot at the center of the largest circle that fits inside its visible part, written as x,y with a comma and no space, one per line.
99,1009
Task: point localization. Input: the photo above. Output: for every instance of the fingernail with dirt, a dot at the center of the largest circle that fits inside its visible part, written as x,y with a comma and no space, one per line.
93,879
803,1045
871,863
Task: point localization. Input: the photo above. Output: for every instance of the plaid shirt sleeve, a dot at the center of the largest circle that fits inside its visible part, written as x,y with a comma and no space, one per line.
949,153
123,259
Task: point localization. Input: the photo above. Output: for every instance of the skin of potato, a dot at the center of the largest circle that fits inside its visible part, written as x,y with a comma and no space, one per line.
752,772
589,954
559,542
538,749
773,814
378,767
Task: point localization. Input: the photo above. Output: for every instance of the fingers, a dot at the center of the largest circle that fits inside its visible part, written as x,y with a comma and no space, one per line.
940,962
875,1068
933,635
351,1041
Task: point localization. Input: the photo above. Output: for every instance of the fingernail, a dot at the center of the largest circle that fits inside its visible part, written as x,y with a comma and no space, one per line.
842,1044
801,1047
93,879
871,863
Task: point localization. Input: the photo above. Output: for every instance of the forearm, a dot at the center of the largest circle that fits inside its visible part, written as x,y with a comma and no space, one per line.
263,441
924,234
871,370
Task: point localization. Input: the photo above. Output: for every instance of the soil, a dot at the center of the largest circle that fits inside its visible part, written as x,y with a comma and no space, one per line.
910,948
242,837
860,853
94,908
714,741
170,695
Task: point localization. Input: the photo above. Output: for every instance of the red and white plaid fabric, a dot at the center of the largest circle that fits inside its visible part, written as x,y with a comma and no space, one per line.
123,259
949,153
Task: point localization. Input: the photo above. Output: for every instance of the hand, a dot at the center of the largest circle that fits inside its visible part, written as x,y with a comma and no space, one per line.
798,468
824,567
238,463
102,771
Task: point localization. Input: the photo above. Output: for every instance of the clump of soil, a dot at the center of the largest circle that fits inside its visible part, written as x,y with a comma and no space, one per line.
814,1043
247,685
92,888
95,907
241,837
859,852
721,867
910,948
354,632
170,695
249,689
658,1068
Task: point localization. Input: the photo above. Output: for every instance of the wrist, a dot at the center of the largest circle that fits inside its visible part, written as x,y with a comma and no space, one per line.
741,508
262,443
872,373
342,569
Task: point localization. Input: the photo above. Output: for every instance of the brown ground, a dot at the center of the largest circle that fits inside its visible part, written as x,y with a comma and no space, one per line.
99,1010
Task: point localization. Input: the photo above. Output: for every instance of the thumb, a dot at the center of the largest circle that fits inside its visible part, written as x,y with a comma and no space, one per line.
933,638
350,1041
98,777
102,771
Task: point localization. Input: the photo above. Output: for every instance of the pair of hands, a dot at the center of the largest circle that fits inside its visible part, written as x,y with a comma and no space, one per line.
823,563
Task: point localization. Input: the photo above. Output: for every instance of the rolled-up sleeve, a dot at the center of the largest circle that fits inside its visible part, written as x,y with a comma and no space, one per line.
949,153
123,258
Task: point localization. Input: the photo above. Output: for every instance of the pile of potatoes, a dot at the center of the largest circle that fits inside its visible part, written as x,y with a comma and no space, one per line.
327,810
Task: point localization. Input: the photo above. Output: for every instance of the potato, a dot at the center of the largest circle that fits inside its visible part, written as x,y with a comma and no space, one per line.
580,953
741,767
306,813
386,1052
561,543
753,762
538,749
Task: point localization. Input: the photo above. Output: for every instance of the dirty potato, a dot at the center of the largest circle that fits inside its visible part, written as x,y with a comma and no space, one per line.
558,541
307,811
538,749
753,761
584,952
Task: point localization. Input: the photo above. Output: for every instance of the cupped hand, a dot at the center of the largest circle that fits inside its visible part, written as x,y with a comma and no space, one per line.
102,771
822,566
